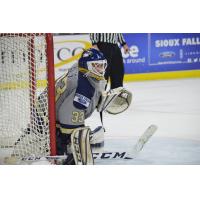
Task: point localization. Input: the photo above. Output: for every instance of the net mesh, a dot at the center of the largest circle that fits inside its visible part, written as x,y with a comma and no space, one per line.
24,124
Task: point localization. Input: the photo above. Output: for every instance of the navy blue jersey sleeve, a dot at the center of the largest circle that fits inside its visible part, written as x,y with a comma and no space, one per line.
84,93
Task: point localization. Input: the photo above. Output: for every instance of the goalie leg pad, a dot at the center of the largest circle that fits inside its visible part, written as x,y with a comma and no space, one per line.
80,144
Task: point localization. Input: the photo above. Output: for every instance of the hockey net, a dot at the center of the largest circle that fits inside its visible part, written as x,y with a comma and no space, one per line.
27,121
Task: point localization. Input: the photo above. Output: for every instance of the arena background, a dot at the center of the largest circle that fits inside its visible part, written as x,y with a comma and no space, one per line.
152,55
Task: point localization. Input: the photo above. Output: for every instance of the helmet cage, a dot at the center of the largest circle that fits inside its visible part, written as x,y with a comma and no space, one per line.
97,67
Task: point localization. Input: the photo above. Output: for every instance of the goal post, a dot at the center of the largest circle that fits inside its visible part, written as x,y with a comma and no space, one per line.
51,99
27,95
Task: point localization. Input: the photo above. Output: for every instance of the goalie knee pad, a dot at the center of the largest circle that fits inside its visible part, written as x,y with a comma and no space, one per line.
97,137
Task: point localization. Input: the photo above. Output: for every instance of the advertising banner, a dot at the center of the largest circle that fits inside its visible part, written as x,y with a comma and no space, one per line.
149,52
158,52
67,50
175,51
136,61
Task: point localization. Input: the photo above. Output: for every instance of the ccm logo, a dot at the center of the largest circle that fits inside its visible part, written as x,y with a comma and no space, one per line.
110,155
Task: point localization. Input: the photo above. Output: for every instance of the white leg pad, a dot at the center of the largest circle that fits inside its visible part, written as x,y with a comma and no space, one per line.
80,144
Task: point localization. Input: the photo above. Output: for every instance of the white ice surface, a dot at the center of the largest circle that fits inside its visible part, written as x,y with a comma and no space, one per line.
174,106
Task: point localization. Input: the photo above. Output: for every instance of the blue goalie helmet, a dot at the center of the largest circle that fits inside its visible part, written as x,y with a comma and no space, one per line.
93,63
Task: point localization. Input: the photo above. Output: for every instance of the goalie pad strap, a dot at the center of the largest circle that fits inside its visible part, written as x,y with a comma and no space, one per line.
80,144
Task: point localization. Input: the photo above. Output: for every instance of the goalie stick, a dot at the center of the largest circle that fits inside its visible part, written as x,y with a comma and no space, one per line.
132,154
144,138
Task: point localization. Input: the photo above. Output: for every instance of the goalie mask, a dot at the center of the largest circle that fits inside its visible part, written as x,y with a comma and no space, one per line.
93,64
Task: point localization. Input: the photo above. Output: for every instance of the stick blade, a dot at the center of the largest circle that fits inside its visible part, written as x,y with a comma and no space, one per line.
144,138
